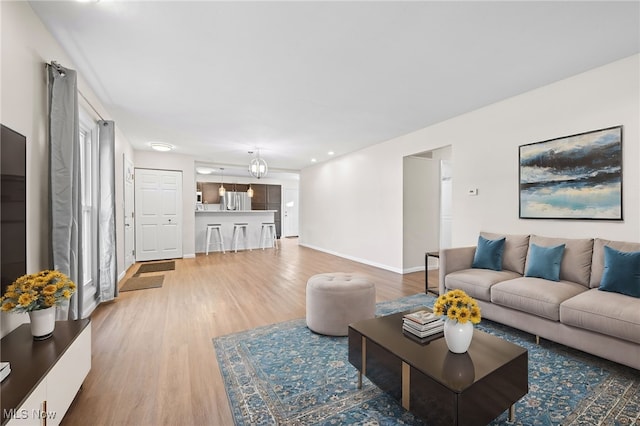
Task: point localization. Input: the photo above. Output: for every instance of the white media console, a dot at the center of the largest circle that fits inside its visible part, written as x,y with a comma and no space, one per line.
45,375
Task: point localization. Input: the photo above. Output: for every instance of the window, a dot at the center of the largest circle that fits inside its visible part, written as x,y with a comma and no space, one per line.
89,182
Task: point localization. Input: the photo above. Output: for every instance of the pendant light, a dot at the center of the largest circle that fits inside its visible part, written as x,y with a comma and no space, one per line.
221,190
257,166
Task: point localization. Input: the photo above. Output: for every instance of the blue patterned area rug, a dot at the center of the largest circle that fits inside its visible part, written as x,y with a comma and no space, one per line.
284,374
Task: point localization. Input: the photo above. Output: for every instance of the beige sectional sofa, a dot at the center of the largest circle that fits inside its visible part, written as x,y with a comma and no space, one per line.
571,311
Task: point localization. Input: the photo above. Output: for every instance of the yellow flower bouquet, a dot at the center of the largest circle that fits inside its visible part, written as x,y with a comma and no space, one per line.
457,306
37,291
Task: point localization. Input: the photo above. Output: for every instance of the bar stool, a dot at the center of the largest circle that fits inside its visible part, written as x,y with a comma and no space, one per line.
237,227
218,228
270,229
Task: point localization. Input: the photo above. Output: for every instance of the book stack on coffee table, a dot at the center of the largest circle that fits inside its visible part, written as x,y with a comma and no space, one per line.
422,325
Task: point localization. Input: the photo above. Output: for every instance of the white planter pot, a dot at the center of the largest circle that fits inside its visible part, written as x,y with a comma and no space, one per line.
458,336
43,321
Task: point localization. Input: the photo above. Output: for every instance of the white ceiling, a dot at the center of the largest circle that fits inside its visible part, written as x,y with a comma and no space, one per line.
297,79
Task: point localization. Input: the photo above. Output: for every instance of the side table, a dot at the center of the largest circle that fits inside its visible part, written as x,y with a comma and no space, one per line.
427,255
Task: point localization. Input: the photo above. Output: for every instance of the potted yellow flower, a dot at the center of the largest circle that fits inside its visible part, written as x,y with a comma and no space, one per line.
38,294
462,311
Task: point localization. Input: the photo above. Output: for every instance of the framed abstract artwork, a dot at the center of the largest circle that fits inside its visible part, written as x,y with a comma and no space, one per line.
573,177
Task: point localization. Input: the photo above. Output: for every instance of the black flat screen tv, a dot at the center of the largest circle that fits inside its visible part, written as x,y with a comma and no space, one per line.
13,206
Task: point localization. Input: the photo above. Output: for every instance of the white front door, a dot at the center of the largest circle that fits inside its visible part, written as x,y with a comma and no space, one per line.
129,219
290,213
158,201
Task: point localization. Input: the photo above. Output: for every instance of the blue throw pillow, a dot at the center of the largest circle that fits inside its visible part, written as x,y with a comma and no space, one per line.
621,272
489,254
544,262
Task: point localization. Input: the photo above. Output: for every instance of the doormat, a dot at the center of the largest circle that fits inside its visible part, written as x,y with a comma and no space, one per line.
141,283
156,267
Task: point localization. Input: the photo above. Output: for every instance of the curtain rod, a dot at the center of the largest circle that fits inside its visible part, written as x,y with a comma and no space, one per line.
61,69
89,103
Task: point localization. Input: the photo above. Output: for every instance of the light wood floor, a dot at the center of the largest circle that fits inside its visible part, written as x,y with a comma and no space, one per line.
153,361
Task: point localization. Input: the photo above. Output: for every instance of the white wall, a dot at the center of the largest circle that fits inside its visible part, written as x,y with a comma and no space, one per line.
345,202
421,210
26,47
352,206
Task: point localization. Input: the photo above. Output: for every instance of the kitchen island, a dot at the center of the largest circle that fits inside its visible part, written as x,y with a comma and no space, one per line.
226,218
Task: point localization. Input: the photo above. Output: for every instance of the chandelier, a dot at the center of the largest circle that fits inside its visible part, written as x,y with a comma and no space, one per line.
257,166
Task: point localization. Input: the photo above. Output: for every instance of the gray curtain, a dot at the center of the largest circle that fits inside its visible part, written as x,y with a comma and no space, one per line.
65,183
107,272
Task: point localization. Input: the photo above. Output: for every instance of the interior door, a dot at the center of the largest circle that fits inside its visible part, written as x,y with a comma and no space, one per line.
446,206
290,213
129,219
158,207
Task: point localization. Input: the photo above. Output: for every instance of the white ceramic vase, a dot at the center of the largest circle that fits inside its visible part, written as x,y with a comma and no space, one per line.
43,321
457,335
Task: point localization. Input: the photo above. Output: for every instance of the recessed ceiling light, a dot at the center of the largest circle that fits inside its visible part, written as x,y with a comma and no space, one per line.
330,152
204,170
313,160
161,146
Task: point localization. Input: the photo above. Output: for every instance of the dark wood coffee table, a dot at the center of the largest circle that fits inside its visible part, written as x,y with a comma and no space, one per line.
433,383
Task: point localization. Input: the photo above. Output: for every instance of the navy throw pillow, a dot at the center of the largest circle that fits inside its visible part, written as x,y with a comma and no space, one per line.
544,262
621,272
489,254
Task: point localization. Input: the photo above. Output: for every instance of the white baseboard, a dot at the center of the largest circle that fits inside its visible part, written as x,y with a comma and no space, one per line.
189,256
367,262
89,309
355,259
413,269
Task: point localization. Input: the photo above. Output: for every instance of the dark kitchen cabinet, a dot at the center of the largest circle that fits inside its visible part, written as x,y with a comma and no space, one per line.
259,196
210,193
268,197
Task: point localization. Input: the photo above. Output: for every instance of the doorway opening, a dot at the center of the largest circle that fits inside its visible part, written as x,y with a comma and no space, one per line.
427,207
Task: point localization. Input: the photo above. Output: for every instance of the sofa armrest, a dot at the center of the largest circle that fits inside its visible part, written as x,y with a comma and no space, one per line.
454,259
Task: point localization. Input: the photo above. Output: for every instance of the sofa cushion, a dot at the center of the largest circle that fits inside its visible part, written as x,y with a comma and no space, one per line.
515,250
544,262
535,296
608,313
477,282
488,254
621,272
597,267
576,261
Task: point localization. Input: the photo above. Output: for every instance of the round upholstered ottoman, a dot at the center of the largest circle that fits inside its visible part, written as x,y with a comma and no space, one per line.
335,300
